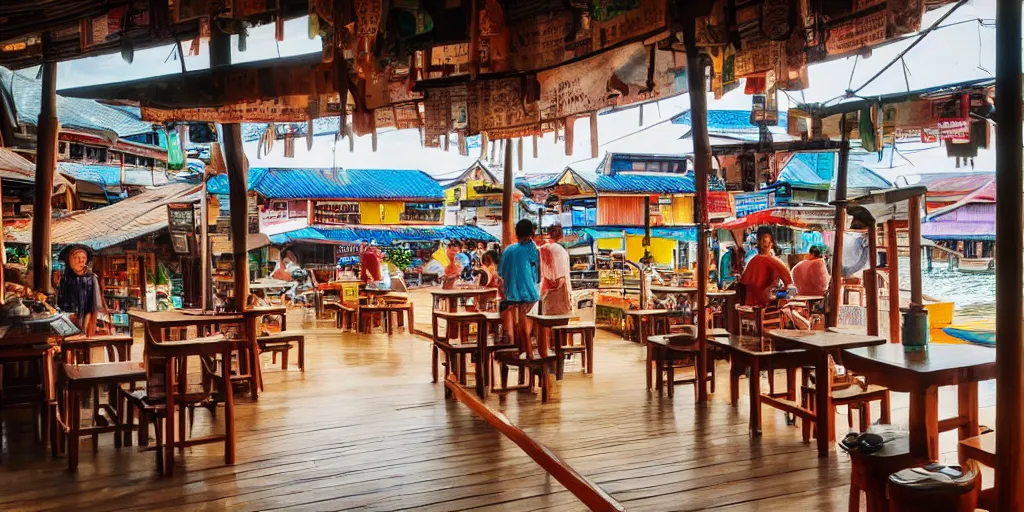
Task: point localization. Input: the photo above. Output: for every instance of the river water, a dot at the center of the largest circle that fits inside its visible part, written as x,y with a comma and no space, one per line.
974,295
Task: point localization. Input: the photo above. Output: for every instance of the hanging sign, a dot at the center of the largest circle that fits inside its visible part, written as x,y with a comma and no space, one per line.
857,33
181,217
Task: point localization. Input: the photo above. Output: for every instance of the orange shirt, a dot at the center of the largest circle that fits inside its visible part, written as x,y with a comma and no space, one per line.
763,272
811,277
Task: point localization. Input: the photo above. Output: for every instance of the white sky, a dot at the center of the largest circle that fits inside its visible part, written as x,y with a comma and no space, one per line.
963,50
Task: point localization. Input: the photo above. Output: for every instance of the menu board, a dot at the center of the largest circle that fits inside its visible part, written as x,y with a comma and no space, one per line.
181,217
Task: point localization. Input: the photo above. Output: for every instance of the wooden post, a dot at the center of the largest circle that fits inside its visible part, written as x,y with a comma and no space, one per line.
519,154
569,129
593,135
1009,281
47,129
836,285
507,222
871,279
206,266
238,188
892,262
474,40
914,219
701,169
483,145
3,248
535,152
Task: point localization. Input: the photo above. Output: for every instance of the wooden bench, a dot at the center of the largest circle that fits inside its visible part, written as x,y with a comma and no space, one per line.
564,344
77,349
539,368
78,379
282,343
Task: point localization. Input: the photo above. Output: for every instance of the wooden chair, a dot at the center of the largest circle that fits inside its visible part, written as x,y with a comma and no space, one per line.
981,449
77,349
168,362
399,313
282,343
673,351
870,471
345,315
30,388
855,393
369,315
78,379
538,368
763,318
960,495
564,344
454,350
853,285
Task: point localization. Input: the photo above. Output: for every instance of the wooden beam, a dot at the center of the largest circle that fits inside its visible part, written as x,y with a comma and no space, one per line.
535,152
507,184
519,154
588,492
238,178
47,129
570,123
593,135
483,145
1009,279
914,217
701,170
871,280
892,262
836,285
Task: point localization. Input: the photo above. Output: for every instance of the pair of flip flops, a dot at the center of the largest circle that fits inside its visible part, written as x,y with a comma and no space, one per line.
866,442
933,476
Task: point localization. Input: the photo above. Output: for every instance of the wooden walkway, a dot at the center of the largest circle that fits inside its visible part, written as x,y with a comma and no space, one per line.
364,428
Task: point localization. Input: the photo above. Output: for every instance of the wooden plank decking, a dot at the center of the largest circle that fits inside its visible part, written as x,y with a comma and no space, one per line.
364,428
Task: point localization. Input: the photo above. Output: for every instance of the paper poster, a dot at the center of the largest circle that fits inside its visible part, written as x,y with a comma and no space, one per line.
904,17
756,58
857,33
368,16
281,110
500,104
436,116
450,55
384,117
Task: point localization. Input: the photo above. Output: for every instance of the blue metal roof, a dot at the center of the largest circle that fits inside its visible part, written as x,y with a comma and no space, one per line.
337,184
110,175
679,233
729,120
383,236
816,170
646,183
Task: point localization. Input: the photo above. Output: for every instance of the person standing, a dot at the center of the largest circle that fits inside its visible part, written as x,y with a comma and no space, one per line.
764,272
520,271
454,268
78,292
555,288
370,271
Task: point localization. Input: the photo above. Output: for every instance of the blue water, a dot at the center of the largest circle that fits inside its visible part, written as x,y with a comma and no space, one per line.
974,295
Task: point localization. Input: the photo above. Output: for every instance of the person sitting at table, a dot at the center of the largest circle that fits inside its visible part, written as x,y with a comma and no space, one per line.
764,272
520,270
456,262
811,275
79,293
373,271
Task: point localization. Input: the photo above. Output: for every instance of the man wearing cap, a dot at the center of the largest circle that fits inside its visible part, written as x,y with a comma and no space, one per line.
764,271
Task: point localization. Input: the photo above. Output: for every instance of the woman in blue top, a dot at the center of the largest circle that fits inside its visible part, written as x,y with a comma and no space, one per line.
520,271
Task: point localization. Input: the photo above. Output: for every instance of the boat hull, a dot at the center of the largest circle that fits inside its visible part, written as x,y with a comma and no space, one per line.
979,333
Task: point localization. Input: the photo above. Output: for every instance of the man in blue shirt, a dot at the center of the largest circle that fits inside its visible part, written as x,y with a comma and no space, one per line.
520,271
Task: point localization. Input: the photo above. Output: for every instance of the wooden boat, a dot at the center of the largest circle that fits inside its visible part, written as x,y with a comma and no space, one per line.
977,265
980,332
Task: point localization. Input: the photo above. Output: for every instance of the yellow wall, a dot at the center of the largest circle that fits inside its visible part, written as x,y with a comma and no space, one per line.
681,211
609,244
370,212
661,249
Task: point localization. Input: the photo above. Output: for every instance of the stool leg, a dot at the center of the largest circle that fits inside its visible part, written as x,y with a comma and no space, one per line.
302,354
883,416
74,423
284,358
588,338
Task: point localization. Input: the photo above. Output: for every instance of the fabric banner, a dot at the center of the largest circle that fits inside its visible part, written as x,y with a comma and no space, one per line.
282,110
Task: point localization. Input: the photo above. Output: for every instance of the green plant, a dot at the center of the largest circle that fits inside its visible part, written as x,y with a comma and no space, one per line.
399,257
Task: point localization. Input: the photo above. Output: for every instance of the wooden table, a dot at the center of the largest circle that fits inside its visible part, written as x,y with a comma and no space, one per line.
452,296
921,374
684,290
822,345
647,316
544,323
757,353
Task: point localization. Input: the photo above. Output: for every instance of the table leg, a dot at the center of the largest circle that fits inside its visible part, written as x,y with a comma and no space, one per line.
924,423
967,394
734,381
168,445
650,360
481,358
825,412
755,397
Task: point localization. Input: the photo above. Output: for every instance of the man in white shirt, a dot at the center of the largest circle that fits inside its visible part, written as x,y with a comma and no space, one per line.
554,272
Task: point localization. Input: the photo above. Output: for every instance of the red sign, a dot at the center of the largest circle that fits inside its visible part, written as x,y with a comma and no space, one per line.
719,202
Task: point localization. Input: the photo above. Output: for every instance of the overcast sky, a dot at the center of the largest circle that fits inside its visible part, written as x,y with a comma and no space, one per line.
964,49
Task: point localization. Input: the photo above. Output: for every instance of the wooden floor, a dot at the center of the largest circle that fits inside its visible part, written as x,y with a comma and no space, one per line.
364,428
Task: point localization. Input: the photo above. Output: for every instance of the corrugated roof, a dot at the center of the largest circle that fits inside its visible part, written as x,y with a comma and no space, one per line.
730,121
955,184
14,167
383,235
71,112
815,170
643,183
111,225
337,184
538,180
109,175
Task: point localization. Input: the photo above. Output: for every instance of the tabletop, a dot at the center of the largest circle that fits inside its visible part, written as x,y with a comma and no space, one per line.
807,298
182,317
549,320
755,346
721,293
266,310
269,285
823,340
649,312
942,364
672,289
462,292
376,291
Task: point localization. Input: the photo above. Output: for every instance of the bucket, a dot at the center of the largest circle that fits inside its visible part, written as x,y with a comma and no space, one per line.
915,328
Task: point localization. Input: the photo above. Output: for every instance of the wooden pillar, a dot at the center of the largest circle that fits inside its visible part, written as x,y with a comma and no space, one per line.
1009,279
519,154
3,248
238,186
483,145
593,135
507,222
535,152
569,129
892,261
47,129
914,219
701,169
871,279
836,285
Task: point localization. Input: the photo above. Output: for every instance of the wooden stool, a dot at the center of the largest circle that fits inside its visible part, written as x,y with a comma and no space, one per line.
870,471
282,342
76,379
458,351
981,449
564,344
77,350
539,368
852,393
397,309
961,495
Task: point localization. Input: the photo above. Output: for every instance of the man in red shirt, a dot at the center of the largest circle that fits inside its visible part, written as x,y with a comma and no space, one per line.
763,272
369,265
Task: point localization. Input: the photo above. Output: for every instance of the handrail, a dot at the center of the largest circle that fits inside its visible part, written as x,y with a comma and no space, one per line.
588,492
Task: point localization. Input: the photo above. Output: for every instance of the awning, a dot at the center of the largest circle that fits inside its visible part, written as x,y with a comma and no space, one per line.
678,233
383,235
16,168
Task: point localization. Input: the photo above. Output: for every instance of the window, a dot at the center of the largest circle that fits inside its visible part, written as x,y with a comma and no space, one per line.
422,212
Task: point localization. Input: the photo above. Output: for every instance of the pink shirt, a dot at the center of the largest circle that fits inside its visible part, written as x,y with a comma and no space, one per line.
811,277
